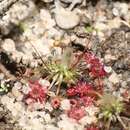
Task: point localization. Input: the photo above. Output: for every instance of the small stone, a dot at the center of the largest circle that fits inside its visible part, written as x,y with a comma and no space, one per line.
5,99
66,19
14,112
47,1
117,94
47,21
9,45
73,37
16,92
54,33
124,84
18,85
36,124
108,69
20,98
88,120
114,78
43,44
1,76
37,106
65,104
25,89
44,82
48,107
9,102
47,118
91,110
18,106
122,90
122,8
109,57
114,23
51,127
115,12
1,109
66,41
66,125
101,26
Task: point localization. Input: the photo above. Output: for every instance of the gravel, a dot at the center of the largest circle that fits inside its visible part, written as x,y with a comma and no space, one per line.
28,30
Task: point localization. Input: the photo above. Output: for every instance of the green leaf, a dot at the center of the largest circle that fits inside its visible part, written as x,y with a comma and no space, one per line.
89,29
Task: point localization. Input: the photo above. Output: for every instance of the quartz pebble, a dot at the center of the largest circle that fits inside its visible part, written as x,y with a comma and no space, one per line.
44,82
16,92
25,89
88,120
108,69
65,104
51,127
66,19
48,107
47,118
9,45
66,124
18,85
114,78
5,99
115,12
47,1
109,57
1,76
121,8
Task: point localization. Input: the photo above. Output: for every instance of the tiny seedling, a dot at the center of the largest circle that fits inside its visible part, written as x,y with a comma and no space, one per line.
60,71
110,108
3,89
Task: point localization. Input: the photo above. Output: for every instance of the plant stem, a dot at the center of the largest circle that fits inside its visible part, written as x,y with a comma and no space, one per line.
108,124
53,81
120,120
40,56
58,89
81,56
96,93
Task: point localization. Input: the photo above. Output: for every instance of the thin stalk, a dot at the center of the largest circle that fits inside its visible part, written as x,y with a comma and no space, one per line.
100,85
122,123
81,56
59,85
40,56
95,93
58,89
53,81
108,124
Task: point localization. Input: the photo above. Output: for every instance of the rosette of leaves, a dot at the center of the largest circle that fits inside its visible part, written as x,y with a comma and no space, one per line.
110,109
61,71
4,88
